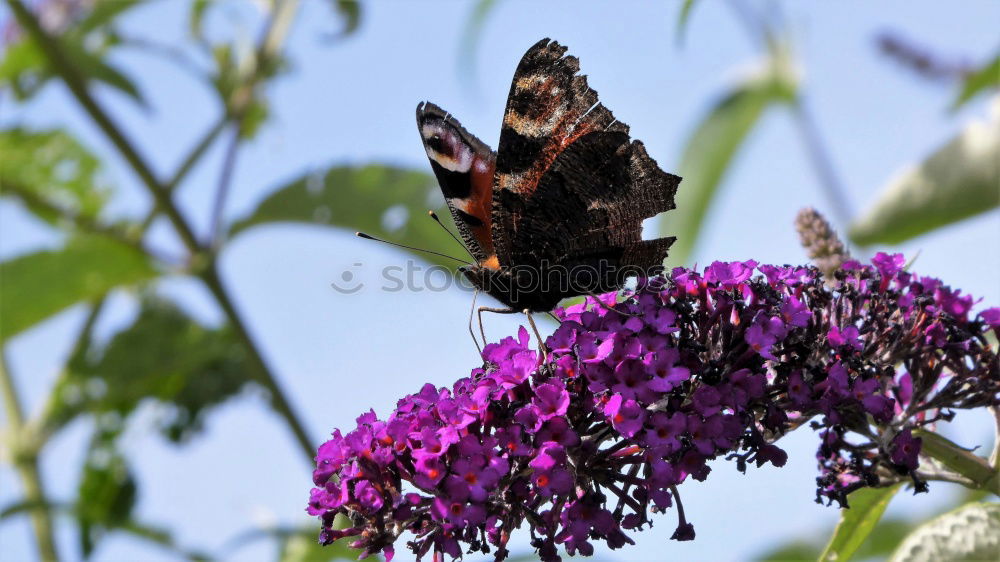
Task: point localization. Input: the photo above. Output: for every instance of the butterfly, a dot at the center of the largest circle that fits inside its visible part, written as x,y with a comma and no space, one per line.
557,210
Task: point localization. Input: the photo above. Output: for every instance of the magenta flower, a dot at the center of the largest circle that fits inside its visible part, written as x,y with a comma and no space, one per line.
631,402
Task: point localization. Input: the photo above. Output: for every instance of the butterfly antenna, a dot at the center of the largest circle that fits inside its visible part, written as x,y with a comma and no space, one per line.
437,219
370,237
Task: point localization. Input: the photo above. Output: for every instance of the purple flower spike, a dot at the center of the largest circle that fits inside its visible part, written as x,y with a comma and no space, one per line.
691,367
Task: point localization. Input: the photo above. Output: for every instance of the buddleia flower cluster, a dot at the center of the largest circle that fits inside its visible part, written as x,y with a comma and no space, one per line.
639,391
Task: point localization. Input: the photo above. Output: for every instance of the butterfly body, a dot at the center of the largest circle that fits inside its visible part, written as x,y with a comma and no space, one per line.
557,210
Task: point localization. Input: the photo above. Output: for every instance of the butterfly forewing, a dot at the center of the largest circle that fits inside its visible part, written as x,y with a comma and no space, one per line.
464,167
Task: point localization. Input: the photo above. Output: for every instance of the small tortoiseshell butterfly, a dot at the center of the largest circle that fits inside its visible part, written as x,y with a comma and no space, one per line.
557,210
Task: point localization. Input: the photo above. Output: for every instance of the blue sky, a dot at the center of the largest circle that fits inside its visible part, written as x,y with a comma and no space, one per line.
352,102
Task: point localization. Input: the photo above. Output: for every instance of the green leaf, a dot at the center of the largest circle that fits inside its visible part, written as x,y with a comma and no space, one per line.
94,66
24,68
105,498
350,12
983,78
957,181
710,151
40,284
165,356
959,460
856,522
380,200
53,166
682,20
103,14
971,532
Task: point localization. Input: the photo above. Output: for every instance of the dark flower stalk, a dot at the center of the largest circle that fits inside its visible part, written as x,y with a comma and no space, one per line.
633,401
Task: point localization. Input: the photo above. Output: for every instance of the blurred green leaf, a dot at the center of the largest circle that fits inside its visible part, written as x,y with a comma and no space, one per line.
710,151
102,14
105,498
986,77
95,67
793,550
884,538
304,547
160,537
86,42
21,69
469,43
856,522
53,166
380,200
196,19
682,19
350,12
166,356
38,285
971,532
957,181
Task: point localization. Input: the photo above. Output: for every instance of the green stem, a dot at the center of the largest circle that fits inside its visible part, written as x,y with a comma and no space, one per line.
47,422
196,153
186,166
222,191
24,454
822,163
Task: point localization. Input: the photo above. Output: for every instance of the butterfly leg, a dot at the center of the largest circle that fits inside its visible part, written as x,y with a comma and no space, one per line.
541,342
483,309
605,306
471,331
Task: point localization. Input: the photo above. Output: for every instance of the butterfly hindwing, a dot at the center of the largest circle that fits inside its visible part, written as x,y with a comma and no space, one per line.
464,167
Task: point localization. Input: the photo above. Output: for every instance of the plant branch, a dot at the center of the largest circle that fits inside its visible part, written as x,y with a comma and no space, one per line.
24,455
278,400
196,153
124,235
186,165
272,38
222,191
759,29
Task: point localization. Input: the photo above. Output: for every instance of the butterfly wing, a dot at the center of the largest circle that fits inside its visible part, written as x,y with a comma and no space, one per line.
464,167
570,183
